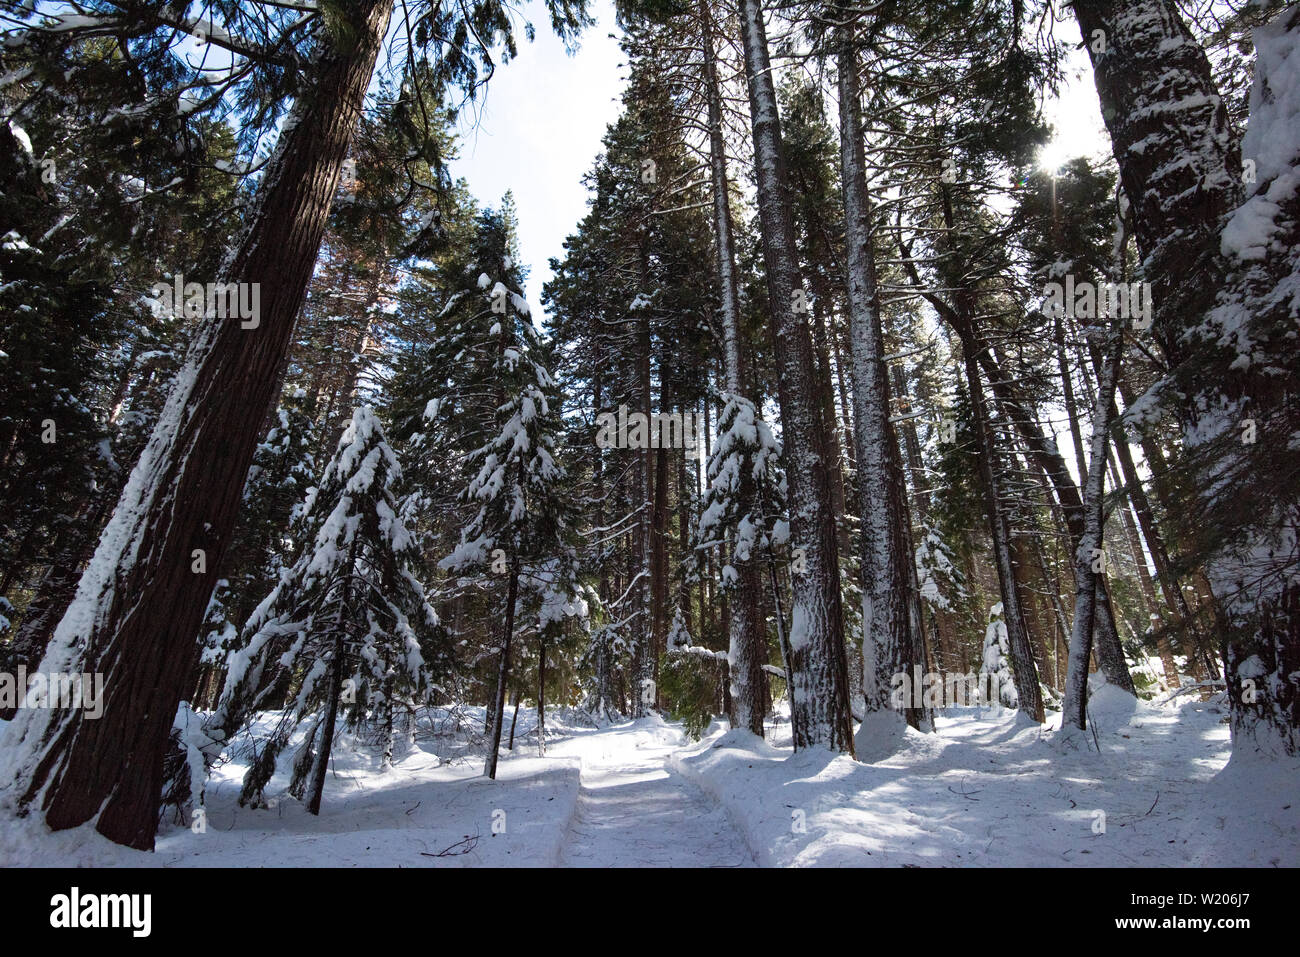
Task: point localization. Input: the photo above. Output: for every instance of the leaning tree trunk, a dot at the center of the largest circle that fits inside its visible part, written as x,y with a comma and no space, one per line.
321,762
747,649
820,713
1234,355
1195,642
1023,670
1179,163
888,622
1109,651
1180,613
1146,583
1088,552
139,606
960,316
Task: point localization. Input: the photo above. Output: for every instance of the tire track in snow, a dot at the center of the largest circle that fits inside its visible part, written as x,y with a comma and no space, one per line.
635,811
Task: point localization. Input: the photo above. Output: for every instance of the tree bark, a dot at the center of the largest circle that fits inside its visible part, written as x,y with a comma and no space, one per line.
889,624
746,637
139,606
1146,584
541,697
1089,552
503,671
1181,167
820,715
513,721
1179,162
320,764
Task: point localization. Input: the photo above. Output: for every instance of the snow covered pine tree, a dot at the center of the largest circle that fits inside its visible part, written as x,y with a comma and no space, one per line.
351,613
513,479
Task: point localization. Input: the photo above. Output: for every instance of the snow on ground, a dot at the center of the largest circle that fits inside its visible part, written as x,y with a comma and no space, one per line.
636,811
989,789
992,789
435,799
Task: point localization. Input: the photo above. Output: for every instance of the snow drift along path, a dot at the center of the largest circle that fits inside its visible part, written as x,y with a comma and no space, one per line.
635,810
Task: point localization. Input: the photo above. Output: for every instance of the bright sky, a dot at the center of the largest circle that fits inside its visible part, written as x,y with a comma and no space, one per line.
538,131
1076,113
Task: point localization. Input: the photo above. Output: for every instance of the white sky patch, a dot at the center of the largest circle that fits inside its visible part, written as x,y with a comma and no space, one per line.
539,128
1075,115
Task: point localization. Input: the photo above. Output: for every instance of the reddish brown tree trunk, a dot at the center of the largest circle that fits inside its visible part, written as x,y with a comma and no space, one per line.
141,602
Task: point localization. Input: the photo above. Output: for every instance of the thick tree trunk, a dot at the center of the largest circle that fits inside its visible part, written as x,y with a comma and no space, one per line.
139,606
1233,355
1179,162
888,621
820,715
1253,566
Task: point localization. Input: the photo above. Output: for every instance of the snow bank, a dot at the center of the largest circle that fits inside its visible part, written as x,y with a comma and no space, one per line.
425,806
989,790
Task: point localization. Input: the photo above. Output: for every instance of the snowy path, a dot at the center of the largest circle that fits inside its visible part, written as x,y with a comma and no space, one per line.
987,790
634,811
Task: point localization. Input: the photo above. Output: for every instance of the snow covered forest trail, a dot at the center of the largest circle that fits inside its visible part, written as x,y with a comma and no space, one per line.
636,810
834,373
989,789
